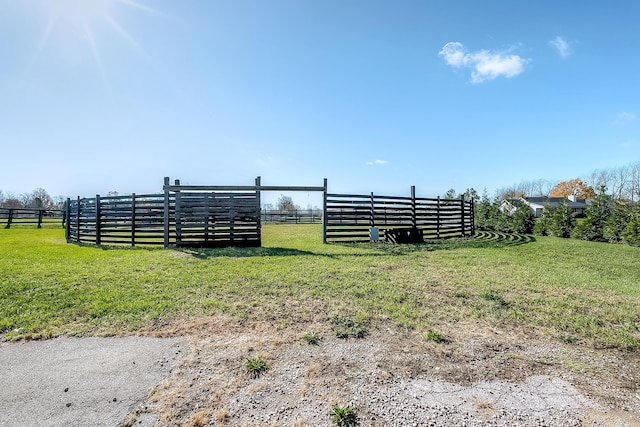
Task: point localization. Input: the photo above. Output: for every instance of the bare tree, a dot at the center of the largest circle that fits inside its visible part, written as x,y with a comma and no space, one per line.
511,192
60,202
599,178
285,203
41,199
544,187
620,182
13,202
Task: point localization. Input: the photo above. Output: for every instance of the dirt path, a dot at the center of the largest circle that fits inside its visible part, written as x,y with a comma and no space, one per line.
479,377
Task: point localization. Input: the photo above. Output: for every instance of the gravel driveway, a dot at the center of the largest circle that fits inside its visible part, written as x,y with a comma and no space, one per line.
479,377
81,381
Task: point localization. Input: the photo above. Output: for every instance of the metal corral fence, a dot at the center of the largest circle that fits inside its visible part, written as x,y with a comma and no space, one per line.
213,216
298,216
352,217
192,219
11,217
134,219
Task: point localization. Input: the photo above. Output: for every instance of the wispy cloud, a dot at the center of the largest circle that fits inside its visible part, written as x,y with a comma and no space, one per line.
485,64
378,162
265,160
628,144
626,117
561,46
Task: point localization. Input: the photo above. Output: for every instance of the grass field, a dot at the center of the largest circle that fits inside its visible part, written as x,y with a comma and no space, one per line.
580,292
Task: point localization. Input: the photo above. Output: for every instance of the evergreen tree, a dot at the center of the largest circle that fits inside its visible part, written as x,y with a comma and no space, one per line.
631,234
484,212
543,224
617,222
592,228
504,222
523,219
562,221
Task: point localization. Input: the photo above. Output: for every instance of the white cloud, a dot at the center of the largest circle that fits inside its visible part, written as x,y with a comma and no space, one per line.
561,45
626,117
378,162
485,65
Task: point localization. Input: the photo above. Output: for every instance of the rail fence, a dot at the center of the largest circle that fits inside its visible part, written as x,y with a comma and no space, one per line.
194,219
216,216
351,217
213,219
30,217
298,216
134,219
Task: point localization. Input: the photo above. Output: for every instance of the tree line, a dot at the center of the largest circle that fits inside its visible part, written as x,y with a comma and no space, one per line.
606,219
37,199
612,214
622,183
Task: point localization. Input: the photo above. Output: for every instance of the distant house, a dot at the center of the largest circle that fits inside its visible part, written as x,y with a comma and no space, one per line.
510,206
538,204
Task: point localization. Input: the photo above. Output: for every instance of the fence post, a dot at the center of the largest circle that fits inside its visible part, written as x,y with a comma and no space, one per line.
67,213
232,220
462,213
324,213
414,220
258,206
372,211
40,218
133,219
10,218
166,212
177,218
98,230
207,215
438,219
473,216
78,211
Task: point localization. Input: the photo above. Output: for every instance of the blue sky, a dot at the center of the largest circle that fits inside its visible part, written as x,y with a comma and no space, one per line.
113,95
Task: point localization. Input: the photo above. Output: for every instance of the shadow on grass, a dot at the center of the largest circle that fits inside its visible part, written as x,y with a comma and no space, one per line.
204,253
482,240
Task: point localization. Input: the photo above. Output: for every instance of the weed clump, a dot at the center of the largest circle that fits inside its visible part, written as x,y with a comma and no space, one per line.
435,336
344,416
312,338
257,366
490,295
346,327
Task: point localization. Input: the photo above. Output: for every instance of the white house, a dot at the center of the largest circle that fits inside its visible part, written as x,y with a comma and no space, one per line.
537,204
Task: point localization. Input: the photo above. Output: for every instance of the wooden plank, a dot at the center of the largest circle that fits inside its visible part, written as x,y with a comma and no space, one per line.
239,188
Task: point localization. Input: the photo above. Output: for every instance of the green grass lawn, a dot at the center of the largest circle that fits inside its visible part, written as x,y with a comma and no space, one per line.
573,290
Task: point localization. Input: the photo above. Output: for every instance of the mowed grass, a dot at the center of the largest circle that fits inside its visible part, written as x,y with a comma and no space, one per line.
580,292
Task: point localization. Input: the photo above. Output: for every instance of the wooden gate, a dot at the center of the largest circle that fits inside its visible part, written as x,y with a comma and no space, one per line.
217,215
214,219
